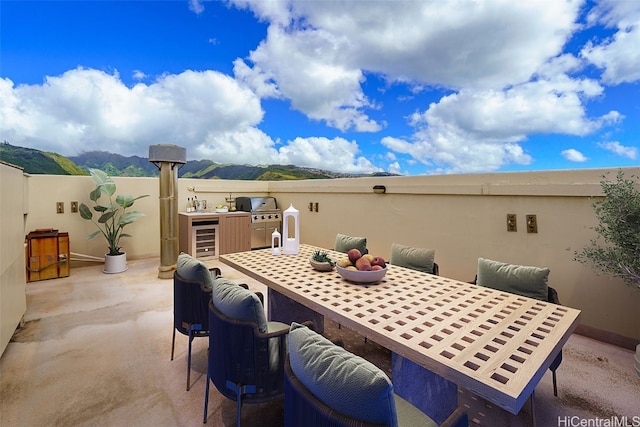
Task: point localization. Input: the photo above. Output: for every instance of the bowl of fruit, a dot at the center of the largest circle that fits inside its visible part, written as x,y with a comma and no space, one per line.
320,261
359,268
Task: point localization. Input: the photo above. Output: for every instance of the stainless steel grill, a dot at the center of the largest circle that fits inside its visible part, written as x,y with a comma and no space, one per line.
265,218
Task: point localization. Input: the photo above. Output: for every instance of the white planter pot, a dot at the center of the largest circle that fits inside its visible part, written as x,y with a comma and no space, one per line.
115,263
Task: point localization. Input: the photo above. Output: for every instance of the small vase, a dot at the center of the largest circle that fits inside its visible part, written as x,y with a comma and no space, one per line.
115,263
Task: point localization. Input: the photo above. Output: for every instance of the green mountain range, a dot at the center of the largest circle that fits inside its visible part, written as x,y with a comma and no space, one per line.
43,162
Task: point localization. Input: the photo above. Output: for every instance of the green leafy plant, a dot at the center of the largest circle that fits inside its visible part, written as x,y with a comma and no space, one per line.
321,256
112,214
616,249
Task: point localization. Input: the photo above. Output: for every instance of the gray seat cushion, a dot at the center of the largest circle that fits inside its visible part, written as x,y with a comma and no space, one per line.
194,270
415,258
345,382
344,243
517,279
239,303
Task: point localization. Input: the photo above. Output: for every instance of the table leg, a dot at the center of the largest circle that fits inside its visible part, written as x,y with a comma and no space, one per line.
283,309
432,394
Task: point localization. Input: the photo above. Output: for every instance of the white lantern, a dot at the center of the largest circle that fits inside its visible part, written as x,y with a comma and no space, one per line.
276,242
291,244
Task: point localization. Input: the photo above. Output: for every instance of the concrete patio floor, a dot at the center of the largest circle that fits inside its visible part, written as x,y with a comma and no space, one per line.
95,351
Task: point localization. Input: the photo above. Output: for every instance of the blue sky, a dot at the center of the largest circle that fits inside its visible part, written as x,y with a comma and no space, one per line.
408,87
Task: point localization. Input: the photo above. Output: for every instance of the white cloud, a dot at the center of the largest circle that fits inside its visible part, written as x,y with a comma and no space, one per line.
335,154
307,70
139,75
394,168
574,155
507,84
500,63
86,109
196,6
317,53
473,131
209,113
618,55
621,150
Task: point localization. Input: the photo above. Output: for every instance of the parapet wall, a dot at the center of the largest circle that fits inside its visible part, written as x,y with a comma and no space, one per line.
462,217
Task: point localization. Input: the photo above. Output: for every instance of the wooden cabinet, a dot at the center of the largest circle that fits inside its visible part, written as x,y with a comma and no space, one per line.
235,233
47,255
213,234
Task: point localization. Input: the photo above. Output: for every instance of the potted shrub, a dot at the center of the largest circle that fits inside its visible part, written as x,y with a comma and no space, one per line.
112,217
616,249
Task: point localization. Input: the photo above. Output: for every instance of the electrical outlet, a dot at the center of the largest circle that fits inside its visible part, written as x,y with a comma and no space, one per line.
60,207
532,224
316,205
512,224
74,207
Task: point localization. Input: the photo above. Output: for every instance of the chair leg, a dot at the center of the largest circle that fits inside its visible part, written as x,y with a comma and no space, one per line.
189,360
238,405
240,390
555,384
173,342
206,398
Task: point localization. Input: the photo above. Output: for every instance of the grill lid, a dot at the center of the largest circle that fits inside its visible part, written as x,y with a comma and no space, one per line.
256,204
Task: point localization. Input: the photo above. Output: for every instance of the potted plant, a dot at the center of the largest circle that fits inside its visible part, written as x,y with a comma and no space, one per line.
321,261
113,216
616,249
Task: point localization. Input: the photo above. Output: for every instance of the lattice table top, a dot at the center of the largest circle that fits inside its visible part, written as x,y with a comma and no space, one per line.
493,343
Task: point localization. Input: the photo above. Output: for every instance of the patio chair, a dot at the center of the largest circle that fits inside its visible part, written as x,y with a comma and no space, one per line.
246,353
344,243
419,259
192,283
521,280
326,385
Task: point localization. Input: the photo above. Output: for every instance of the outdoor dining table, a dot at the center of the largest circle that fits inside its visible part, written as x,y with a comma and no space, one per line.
443,333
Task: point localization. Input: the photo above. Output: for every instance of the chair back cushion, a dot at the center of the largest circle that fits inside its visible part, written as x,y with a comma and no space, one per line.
192,269
517,279
239,303
414,258
343,381
344,243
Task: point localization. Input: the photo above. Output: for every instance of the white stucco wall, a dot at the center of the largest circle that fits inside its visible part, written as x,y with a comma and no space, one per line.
13,300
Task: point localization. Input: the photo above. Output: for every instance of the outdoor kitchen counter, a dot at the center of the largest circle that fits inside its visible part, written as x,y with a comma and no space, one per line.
495,344
219,232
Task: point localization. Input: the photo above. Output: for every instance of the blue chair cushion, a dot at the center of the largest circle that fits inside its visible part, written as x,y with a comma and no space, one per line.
517,279
414,258
344,243
194,270
239,303
345,382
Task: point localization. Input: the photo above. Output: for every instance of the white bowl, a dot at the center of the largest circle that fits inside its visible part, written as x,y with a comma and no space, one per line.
361,276
222,210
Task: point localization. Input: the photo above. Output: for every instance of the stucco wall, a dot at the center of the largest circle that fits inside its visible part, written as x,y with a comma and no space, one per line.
13,300
462,217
